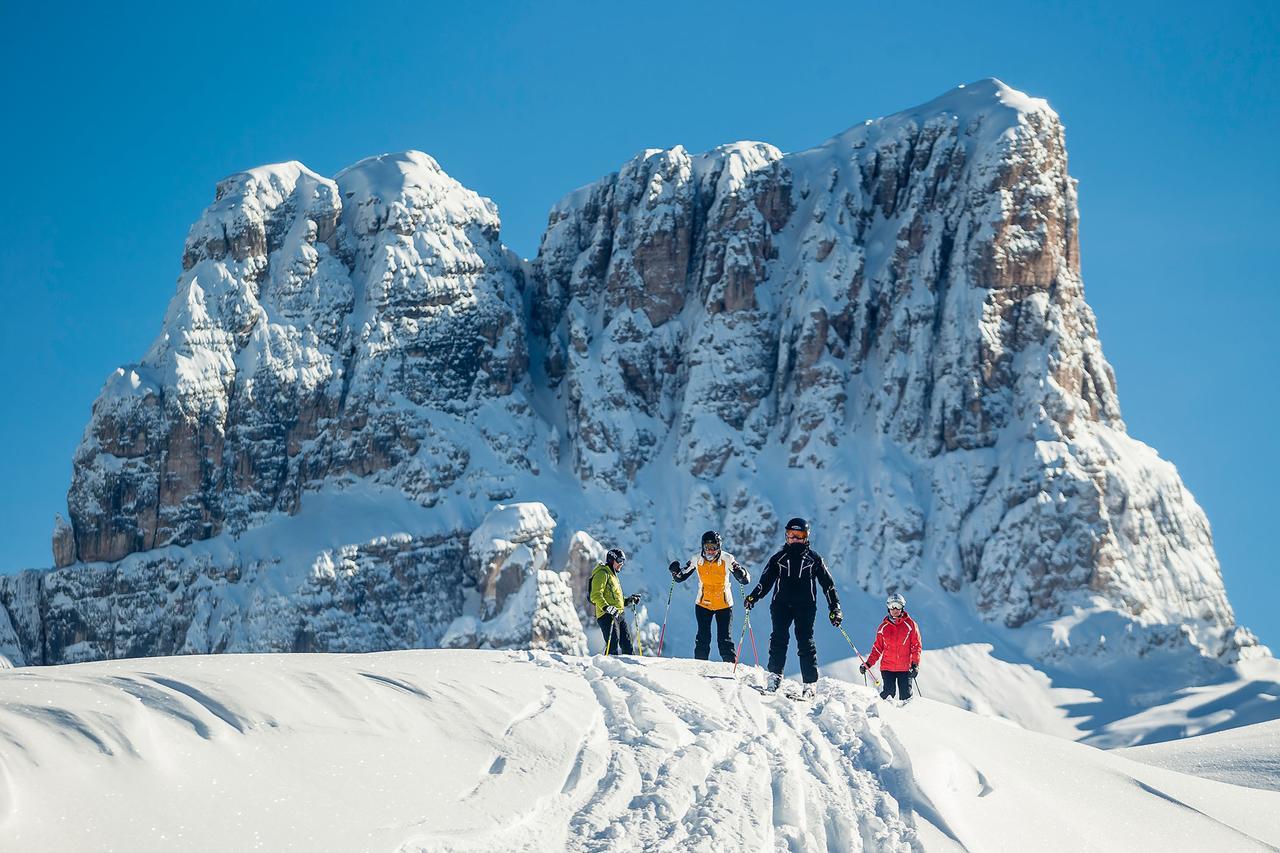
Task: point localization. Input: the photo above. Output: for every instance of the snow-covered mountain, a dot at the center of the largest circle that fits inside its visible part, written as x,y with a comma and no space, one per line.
367,425
450,750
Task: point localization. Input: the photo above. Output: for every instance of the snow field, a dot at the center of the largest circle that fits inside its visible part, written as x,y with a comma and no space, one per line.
466,750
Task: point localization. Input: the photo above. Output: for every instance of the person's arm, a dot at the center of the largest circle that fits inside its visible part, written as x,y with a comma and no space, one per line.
828,585
767,579
740,574
680,574
877,648
916,645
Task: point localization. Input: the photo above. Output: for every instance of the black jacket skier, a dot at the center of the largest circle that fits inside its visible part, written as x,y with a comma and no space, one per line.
797,571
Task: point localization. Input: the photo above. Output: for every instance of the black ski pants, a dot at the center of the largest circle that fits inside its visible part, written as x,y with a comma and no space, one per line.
724,621
899,681
616,633
801,616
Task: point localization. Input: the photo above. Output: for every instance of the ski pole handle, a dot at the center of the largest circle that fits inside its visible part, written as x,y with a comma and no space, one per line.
742,590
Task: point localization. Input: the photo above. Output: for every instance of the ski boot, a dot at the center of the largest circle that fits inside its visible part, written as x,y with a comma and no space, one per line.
809,691
773,682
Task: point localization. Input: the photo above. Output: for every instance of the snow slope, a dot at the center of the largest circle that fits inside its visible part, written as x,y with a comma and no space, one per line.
1108,711
1249,755
470,750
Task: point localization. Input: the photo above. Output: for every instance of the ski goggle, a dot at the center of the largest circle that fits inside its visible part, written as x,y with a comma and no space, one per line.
797,535
710,549
895,607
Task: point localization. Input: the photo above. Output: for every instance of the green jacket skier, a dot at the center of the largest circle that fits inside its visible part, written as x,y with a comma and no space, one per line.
606,595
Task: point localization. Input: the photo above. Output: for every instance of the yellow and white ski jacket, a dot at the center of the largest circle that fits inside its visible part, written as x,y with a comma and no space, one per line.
714,591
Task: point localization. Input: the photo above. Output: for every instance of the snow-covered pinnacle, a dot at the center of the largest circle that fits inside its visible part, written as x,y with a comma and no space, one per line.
885,333
309,314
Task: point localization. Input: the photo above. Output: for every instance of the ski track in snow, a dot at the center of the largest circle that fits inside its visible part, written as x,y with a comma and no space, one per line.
466,751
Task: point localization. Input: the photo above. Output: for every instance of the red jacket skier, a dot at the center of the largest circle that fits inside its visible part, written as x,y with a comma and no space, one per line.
897,647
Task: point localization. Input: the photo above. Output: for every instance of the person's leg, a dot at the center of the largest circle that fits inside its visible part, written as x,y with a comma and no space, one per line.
606,633
778,640
702,643
893,683
889,682
904,686
724,635
805,648
622,636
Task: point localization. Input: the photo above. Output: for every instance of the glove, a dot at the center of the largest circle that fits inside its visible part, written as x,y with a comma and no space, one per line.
610,610
632,600
915,670
741,574
862,669
749,602
674,568
836,617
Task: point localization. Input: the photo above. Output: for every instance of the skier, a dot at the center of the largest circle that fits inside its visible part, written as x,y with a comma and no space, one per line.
715,601
798,571
897,647
606,595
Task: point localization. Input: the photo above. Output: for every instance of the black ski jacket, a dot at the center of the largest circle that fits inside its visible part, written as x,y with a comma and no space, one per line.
797,571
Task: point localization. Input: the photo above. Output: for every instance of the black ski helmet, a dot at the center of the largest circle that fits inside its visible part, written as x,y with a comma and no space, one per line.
798,524
711,538
616,557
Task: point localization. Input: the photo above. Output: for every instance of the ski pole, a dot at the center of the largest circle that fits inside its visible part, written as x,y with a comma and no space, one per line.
663,635
613,626
916,682
874,680
635,629
742,591
737,656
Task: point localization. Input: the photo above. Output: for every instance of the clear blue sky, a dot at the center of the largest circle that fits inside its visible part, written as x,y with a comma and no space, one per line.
119,122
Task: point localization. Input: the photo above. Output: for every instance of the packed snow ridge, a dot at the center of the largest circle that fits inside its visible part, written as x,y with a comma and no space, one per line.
886,334
472,750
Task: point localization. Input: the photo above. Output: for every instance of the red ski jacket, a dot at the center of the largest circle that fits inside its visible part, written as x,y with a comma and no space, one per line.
898,643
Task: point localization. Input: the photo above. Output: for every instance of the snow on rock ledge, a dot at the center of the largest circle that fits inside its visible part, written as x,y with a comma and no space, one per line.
522,604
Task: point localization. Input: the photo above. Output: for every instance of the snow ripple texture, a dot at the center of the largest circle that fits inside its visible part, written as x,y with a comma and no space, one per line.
479,751
886,333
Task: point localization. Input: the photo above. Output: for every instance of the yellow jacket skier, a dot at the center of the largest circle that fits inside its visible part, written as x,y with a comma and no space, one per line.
715,597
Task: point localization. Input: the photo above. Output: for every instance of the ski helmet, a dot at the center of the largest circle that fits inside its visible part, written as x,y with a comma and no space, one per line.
711,538
616,556
797,529
895,600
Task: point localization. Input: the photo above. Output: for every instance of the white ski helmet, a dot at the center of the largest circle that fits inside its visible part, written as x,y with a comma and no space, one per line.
895,600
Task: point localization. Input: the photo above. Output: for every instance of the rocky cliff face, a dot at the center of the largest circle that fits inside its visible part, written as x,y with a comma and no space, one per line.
886,333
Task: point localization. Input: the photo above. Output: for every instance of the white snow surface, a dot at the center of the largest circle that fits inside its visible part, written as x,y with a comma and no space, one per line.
1249,755
469,750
